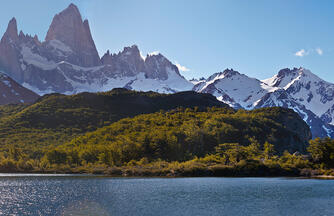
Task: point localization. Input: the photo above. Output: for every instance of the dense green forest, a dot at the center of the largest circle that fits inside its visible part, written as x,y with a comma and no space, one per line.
182,134
124,132
56,119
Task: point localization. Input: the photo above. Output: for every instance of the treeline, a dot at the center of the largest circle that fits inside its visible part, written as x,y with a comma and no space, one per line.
228,159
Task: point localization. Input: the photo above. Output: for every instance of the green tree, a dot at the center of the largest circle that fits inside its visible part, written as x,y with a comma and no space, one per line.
232,152
268,150
56,157
322,151
253,150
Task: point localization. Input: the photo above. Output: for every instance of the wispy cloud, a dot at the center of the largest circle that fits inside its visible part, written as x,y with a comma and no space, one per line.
319,51
181,67
304,52
301,53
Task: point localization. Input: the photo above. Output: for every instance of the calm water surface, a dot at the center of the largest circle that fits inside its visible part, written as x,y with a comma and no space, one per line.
83,195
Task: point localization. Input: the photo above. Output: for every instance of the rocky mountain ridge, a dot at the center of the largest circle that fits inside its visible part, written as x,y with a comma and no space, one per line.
67,61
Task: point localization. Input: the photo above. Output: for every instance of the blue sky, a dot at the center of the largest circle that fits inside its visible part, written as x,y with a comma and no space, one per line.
256,37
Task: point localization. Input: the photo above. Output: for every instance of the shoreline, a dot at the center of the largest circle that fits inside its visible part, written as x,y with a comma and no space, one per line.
76,174
323,177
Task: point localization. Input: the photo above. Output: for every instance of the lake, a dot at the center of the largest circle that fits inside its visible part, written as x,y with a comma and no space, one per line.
93,195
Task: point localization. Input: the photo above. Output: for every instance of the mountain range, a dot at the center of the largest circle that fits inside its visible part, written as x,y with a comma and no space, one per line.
67,62
297,89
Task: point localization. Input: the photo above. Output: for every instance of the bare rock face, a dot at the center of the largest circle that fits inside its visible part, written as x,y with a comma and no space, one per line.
11,32
129,62
158,66
126,63
68,28
12,92
9,57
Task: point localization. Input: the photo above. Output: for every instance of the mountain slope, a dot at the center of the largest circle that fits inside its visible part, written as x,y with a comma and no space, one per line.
11,92
298,89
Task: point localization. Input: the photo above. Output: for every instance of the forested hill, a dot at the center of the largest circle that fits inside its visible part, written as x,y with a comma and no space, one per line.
57,118
183,134
91,110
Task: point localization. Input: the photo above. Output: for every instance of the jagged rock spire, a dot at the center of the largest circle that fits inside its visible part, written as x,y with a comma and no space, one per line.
11,31
68,27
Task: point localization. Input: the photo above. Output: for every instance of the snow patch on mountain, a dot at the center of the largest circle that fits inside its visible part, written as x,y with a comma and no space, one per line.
244,90
32,58
298,89
58,45
306,88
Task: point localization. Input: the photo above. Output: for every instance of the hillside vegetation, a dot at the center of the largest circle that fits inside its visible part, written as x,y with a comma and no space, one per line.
182,134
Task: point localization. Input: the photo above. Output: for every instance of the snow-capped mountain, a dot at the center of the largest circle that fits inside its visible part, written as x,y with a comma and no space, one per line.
67,61
298,89
11,92
226,87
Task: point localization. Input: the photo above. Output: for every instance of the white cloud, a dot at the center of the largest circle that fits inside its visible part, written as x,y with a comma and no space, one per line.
181,67
319,51
301,53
